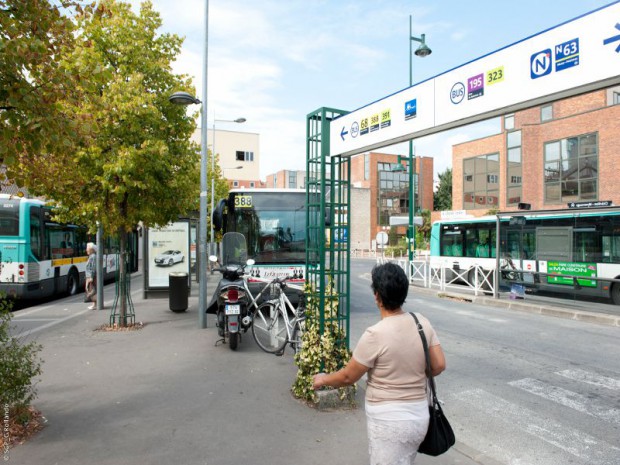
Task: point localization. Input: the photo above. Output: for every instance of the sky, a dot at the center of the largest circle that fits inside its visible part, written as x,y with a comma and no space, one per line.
275,61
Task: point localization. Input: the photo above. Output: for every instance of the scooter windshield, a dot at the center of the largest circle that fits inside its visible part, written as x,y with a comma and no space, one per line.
234,249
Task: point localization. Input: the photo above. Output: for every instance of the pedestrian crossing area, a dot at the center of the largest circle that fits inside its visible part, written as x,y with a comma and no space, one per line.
571,417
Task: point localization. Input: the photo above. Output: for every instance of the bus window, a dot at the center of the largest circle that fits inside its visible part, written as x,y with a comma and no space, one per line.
529,245
585,242
452,244
9,218
36,234
471,239
514,245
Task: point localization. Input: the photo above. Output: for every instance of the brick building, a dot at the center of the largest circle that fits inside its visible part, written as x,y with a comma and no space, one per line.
388,190
547,156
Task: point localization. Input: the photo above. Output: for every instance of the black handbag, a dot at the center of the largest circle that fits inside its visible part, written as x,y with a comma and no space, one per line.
439,437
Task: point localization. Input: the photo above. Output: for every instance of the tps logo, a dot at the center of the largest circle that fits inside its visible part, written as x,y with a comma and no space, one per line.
457,93
541,64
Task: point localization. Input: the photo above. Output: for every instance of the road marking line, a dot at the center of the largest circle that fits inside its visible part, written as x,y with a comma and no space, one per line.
573,441
567,398
590,378
51,323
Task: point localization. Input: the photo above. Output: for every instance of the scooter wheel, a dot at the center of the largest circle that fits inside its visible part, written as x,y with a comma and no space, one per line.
233,340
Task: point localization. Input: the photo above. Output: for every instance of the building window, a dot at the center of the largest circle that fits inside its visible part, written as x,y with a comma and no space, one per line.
571,169
235,183
366,166
393,194
292,179
481,182
546,113
245,156
509,122
252,184
514,173
275,180
616,99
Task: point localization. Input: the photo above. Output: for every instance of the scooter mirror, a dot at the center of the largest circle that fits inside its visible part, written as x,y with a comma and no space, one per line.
250,262
212,258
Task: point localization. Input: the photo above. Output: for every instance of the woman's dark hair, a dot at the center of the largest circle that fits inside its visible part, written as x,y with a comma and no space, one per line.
391,283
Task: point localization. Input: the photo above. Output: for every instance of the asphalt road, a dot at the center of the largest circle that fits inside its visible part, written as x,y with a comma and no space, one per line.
520,388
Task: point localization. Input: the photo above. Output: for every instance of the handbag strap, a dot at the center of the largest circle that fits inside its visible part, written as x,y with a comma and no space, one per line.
429,374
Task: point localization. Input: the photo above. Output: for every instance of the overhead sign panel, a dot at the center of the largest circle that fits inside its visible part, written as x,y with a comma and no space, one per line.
579,55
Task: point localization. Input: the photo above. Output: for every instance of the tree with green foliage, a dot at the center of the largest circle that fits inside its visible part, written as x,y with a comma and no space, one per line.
36,84
136,162
442,199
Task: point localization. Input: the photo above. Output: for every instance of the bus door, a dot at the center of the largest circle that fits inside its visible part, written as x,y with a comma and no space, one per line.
520,254
553,245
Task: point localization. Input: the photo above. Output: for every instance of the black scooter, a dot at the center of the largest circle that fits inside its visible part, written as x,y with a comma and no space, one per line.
230,301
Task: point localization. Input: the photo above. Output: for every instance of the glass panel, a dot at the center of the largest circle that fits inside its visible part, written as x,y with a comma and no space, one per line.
570,150
552,192
570,190
492,199
9,218
587,145
552,171
588,189
552,151
588,167
514,155
514,175
513,139
514,195
509,122
546,113
480,181
570,169
468,201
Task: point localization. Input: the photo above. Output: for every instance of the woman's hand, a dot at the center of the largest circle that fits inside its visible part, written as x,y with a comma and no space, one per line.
318,381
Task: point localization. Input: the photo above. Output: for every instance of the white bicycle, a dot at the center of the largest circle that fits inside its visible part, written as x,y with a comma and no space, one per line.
276,322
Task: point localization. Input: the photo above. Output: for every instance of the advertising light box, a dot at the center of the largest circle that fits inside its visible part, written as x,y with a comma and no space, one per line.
580,55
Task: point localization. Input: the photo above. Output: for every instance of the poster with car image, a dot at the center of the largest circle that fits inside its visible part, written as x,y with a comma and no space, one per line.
168,251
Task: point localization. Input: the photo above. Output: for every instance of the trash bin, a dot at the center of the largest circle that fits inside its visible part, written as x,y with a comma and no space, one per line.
178,291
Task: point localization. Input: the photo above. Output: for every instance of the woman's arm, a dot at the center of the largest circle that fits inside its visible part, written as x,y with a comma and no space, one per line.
346,376
438,359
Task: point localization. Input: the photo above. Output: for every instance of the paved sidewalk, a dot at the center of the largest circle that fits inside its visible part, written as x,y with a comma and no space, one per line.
166,394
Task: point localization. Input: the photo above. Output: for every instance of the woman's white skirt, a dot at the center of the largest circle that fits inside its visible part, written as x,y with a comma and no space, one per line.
395,431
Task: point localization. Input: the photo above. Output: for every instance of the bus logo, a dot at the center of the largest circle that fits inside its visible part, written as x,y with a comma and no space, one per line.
457,93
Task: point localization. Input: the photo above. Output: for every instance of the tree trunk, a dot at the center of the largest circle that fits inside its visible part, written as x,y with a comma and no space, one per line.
123,278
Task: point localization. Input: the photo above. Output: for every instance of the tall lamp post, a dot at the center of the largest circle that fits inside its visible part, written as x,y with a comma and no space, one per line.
183,98
238,120
422,51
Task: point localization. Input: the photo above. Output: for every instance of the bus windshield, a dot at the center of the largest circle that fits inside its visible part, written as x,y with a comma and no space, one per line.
274,224
9,218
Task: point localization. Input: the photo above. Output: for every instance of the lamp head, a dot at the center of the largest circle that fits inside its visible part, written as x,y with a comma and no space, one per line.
423,50
240,120
183,98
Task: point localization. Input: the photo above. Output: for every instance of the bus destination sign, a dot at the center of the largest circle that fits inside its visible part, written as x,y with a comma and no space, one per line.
598,203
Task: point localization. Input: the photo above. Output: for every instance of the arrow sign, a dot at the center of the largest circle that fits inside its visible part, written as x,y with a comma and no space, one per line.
343,133
614,39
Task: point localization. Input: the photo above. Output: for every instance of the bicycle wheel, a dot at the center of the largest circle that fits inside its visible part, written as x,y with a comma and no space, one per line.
269,328
298,332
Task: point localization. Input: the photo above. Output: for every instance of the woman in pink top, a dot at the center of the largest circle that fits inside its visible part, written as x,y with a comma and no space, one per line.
391,353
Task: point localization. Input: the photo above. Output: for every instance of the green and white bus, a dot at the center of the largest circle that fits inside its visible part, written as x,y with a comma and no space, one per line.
41,258
574,251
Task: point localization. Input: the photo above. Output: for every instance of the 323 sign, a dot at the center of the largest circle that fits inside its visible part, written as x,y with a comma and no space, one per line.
495,75
243,201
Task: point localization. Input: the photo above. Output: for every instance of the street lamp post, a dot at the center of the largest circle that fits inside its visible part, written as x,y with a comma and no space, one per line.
422,51
238,120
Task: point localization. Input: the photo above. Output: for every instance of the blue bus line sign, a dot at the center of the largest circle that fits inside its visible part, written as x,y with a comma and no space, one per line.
559,62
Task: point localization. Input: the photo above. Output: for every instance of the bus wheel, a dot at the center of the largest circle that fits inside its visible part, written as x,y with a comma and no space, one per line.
73,282
615,293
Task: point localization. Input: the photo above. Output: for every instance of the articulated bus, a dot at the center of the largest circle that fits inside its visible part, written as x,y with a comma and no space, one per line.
562,251
40,258
273,222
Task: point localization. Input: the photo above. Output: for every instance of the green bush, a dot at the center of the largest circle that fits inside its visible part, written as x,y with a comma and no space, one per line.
320,353
19,365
